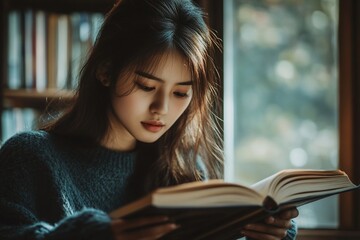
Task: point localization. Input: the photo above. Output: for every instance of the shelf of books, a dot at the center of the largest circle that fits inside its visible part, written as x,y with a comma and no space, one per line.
46,50
45,44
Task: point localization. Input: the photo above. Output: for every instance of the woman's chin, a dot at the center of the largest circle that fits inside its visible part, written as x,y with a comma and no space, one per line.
149,139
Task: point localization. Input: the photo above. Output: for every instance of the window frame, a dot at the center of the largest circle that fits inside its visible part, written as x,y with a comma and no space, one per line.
349,111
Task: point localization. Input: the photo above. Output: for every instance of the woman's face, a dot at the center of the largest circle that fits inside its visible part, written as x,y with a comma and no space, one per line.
157,101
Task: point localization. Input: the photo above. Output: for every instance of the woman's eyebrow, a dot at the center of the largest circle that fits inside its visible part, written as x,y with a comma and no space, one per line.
152,77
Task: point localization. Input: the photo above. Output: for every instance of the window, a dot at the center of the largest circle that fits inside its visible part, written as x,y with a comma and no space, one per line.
281,93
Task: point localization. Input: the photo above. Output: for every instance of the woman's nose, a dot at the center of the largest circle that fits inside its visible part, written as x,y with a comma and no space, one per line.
160,104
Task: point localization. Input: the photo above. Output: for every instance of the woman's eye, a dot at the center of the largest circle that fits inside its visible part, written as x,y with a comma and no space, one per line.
181,94
144,87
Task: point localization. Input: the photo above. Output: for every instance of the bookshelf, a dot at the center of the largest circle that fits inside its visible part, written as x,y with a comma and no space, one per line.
42,48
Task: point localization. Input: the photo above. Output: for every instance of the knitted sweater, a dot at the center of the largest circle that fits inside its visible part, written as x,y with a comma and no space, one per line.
53,190
50,190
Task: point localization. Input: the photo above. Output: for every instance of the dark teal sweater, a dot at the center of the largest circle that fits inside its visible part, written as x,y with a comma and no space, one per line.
50,189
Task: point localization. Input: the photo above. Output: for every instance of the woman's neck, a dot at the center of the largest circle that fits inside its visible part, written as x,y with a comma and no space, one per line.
117,141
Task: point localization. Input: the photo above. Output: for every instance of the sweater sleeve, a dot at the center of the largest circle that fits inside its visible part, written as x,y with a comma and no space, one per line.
86,224
22,200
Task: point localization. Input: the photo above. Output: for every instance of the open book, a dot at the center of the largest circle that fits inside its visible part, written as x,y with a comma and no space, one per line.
217,210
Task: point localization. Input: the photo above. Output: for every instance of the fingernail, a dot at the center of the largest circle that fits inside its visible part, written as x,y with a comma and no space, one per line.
248,226
270,219
174,226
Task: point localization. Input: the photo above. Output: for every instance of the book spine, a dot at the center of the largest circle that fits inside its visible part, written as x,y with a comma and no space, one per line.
62,52
51,46
14,50
28,46
40,51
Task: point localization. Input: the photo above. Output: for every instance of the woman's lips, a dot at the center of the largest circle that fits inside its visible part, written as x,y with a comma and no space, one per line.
153,126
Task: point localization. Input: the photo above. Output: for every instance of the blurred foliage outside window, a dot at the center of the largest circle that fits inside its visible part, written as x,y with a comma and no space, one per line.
281,92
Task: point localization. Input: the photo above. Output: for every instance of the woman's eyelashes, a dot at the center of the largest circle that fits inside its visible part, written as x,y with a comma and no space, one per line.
146,88
181,94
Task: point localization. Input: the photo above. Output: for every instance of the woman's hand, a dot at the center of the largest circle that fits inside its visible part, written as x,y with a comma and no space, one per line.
147,228
273,228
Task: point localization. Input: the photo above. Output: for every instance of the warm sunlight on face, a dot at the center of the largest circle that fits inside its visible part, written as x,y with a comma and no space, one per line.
158,100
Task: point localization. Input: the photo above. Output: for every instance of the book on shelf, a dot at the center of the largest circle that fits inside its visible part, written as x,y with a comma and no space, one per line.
40,51
216,209
63,45
76,50
52,36
84,28
27,34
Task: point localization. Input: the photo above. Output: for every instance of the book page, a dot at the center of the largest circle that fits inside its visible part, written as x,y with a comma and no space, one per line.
209,193
290,184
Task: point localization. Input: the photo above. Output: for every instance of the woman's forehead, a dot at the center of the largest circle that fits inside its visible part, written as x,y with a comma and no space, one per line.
159,60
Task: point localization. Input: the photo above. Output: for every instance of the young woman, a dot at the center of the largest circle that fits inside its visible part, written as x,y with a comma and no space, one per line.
143,117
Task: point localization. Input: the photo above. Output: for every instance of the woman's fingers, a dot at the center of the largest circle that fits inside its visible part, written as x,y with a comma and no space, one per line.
283,219
147,228
273,228
122,225
148,233
278,222
150,228
289,214
264,231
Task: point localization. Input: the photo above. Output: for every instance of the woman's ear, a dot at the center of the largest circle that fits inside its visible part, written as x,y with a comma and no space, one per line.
102,75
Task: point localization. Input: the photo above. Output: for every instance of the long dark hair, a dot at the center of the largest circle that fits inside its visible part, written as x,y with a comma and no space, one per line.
136,33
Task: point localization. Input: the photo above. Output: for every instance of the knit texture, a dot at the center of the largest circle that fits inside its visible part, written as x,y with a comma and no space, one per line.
50,189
